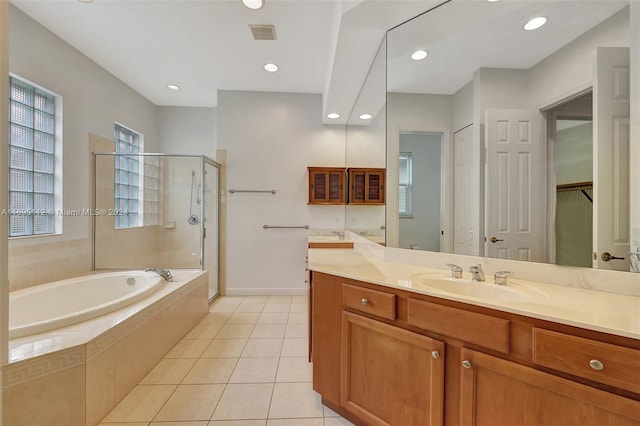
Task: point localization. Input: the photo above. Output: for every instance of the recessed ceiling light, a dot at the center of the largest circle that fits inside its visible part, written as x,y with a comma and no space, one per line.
253,4
366,116
333,115
419,54
173,87
492,1
271,67
85,1
535,23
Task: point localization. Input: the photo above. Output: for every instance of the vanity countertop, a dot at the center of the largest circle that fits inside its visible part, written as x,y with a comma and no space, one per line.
611,313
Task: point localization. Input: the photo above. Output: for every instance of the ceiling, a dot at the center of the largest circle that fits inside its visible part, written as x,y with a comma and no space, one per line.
322,46
487,34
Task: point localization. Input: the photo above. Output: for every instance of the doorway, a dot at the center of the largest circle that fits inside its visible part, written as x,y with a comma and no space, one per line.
421,168
571,145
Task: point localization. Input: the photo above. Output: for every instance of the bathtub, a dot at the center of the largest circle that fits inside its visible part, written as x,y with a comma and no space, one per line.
62,303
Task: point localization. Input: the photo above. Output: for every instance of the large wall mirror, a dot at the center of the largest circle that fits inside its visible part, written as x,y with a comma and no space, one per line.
515,143
366,146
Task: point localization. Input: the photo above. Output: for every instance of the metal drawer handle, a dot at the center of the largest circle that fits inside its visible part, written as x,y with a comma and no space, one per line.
435,354
466,363
364,301
596,365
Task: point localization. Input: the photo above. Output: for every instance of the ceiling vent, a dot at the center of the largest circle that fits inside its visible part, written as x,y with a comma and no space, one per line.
263,32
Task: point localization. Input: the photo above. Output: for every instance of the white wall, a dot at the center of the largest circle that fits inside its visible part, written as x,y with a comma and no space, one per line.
93,100
410,112
570,69
423,229
186,130
463,107
270,139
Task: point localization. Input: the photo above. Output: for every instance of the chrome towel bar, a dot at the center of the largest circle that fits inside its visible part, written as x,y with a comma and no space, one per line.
285,227
270,191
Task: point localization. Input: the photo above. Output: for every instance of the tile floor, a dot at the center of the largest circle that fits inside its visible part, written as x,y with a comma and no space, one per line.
244,364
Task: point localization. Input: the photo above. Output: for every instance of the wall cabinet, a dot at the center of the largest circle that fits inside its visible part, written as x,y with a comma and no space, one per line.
327,185
366,186
385,356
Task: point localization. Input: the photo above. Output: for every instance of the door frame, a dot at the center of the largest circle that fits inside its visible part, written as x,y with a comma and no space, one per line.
446,188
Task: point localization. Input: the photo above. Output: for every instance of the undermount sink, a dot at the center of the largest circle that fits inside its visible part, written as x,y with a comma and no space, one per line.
479,290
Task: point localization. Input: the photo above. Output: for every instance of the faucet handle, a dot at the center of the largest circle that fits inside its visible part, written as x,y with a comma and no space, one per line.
500,277
456,271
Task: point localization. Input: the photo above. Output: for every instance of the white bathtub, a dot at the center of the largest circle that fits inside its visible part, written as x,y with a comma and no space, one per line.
49,306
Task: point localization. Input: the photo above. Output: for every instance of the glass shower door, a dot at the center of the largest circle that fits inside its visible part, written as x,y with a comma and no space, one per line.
210,214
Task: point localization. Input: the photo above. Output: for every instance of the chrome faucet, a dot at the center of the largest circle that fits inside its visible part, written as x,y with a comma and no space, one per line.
164,273
476,273
340,234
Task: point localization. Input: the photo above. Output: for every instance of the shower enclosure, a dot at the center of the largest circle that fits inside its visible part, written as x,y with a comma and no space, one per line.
156,211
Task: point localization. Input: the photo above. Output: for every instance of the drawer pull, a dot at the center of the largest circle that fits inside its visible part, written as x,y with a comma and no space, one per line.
364,301
435,354
596,365
466,363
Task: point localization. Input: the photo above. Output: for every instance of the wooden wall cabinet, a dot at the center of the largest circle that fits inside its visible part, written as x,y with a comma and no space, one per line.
384,356
327,185
366,186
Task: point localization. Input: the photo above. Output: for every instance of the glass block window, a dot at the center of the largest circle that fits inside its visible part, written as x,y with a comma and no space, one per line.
127,178
152,183
31,160
405,177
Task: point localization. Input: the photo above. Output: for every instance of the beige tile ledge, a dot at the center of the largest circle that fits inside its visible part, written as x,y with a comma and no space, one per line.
589,308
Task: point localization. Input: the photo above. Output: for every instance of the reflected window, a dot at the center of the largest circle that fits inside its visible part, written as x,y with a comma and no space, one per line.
405,192
32,137
128,177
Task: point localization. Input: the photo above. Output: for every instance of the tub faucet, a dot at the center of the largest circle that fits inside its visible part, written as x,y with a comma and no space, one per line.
164,273
476,273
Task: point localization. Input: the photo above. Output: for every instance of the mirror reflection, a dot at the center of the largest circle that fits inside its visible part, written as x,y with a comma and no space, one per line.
513,143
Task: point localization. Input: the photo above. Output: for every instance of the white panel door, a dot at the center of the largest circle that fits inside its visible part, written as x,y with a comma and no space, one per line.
611,158
514,185
463,232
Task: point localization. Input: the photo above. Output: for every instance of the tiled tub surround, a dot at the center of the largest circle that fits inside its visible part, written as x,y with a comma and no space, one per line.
75,375
605,301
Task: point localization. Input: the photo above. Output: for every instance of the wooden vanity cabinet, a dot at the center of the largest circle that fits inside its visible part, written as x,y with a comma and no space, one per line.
366,186
390,376
374,363
496,392
327,185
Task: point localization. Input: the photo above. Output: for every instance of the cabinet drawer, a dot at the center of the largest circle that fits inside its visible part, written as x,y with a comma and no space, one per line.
479,329
369,301
601,362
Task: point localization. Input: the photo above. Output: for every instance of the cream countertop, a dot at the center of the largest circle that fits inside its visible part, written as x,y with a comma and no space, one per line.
617,314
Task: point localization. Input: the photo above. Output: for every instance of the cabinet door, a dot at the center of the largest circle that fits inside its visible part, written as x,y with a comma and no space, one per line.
326,185
390,376
366,186
495,392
